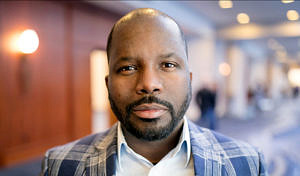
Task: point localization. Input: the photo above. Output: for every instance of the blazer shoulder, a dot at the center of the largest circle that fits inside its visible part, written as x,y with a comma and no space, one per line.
218,142
83,145
71,157
236,157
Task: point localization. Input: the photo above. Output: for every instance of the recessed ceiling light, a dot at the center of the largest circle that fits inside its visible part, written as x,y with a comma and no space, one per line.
294,76
243,18
292,15
225,4
224,69
287,1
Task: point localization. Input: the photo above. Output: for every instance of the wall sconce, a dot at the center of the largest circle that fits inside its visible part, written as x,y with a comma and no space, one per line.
28,43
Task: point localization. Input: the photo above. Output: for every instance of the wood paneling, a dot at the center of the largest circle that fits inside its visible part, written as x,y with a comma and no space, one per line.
90,31
56,108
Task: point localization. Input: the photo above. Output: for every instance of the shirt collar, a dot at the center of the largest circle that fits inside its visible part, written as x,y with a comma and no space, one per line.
184,139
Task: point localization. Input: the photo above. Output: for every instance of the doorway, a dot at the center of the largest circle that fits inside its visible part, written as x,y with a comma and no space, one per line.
99,95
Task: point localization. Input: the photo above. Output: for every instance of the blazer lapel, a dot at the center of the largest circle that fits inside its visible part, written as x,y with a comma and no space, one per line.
199,164
103,161
199,161
111,165
207,162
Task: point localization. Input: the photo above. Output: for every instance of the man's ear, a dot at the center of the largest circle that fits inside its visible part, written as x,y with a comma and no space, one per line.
191,76
106,81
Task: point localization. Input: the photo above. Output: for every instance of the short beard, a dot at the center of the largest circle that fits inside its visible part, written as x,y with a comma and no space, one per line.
151,134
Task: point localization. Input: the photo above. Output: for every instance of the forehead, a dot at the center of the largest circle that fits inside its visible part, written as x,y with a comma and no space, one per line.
155,34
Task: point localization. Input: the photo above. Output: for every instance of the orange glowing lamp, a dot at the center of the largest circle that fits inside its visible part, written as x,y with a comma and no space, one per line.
28,42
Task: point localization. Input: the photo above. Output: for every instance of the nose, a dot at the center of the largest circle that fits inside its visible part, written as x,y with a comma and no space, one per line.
149,82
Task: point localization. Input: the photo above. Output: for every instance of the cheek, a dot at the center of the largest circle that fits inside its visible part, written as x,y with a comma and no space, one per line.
120,90
177,82
179,86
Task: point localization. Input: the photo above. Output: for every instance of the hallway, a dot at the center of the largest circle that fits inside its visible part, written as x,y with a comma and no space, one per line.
276,133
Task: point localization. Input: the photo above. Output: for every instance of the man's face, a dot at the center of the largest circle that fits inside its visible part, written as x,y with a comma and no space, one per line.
148,82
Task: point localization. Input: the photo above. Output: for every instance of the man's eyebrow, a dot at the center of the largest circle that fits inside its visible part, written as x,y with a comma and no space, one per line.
164,56
124,59
169,55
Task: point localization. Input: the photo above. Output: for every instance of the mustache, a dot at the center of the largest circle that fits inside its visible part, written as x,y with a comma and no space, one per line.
148,100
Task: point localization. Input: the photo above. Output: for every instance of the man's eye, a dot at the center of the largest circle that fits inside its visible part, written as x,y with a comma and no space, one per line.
126,69
168,66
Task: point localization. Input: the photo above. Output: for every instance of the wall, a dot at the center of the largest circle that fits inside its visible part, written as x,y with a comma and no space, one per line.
56,107
237,82
202,64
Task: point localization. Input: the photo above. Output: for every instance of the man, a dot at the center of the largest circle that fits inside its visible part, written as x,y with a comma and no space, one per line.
149,87
206,101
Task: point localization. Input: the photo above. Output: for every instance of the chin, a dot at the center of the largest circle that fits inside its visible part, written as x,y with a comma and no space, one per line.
151,130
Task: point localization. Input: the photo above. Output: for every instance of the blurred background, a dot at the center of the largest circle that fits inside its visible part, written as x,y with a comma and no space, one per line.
244,55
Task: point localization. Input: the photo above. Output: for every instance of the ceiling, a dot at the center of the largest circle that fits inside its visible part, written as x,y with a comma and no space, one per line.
267,20
261,12
269,16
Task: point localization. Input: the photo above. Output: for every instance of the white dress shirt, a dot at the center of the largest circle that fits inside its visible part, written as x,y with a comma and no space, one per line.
177,162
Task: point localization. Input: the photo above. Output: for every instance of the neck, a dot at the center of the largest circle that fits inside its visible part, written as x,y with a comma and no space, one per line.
154,151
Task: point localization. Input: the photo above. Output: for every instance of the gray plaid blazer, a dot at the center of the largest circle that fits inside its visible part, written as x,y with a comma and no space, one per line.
213,154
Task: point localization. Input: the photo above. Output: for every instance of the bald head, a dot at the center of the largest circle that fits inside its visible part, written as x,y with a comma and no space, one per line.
141,20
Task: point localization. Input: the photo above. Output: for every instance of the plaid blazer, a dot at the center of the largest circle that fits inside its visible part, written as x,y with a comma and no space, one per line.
213,154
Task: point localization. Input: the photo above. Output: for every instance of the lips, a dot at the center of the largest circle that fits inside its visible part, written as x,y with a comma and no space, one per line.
150,111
